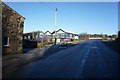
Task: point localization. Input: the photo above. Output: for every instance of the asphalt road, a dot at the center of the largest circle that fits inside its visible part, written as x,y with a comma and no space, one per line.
89,59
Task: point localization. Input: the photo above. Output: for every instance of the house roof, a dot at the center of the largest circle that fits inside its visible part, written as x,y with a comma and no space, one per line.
48,32
68,31
63,31
34,32
52,32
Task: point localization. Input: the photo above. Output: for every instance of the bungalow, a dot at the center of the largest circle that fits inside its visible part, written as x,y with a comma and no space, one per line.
48,36
35,35
40,36
63,35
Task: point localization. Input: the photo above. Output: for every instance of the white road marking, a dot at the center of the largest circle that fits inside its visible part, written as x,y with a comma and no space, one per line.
83,61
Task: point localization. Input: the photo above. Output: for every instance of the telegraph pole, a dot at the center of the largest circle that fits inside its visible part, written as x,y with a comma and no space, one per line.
55,24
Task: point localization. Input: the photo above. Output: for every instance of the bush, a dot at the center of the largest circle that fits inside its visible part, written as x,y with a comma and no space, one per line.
117,40
50,42
40,45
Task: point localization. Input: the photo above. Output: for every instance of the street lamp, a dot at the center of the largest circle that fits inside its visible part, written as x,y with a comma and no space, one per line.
55,24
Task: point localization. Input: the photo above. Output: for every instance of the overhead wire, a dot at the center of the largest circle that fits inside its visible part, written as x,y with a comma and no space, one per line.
58,12
52,9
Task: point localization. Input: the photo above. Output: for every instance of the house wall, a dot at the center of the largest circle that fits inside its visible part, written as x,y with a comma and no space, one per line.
12,27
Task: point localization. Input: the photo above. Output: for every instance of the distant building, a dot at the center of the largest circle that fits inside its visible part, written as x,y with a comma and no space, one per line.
48,36
12,30
40,36
63,35
34,36
30,36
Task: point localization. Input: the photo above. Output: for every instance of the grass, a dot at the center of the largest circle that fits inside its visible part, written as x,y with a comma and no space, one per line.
82,39
113,45
42,45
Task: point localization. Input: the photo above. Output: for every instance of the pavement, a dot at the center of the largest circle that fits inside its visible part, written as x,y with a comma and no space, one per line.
11,62
89,59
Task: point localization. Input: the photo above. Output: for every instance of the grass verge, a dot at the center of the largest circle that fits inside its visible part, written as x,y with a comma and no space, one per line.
113,45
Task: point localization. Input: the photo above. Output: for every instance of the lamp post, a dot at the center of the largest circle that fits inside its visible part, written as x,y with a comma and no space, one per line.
55,24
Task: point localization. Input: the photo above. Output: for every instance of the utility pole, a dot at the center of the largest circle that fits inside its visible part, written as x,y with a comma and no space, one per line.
55,24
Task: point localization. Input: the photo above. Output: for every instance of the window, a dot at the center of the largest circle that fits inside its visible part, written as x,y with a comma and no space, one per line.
20,42
68,35
6,41
72,35
59,35
21,24
29,37
62,36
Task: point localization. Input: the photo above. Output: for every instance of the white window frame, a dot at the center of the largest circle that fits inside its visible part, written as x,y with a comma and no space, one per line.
7,42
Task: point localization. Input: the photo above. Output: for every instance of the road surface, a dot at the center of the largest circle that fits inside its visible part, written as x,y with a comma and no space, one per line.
89,59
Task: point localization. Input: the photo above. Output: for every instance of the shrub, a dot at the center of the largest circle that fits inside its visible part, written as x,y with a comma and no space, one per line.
40,45
50,42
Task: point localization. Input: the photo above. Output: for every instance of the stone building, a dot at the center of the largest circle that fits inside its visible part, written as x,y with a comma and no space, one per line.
12,30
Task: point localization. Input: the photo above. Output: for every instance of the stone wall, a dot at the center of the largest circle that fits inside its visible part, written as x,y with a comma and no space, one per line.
12,27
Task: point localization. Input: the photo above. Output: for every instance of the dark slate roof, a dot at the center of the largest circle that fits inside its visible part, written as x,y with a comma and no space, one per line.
48,31
62,30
